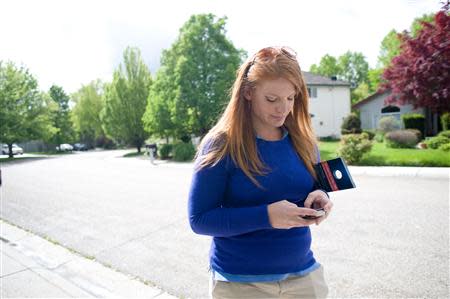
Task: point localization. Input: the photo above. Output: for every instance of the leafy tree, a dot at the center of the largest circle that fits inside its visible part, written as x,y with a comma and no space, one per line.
86,112
354,68
126,99
390,47
328,66
374,79
193,82
420,75
60,116
24,113
417,24
360,92
158,118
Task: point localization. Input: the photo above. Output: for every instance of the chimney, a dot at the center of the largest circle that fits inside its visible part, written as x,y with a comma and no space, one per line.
334,78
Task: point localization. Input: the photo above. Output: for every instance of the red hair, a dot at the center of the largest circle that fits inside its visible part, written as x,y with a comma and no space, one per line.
233,134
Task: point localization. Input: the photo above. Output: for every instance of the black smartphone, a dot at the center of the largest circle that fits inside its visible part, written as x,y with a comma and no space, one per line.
319,213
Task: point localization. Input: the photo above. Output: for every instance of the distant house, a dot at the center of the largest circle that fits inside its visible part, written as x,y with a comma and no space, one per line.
329,103
373,108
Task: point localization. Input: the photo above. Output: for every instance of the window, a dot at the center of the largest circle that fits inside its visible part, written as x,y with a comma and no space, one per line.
312,92
393,111
390,109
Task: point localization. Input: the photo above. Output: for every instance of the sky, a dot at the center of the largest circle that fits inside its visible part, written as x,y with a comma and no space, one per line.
70,43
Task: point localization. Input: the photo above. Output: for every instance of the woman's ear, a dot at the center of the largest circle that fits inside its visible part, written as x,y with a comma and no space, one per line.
247,93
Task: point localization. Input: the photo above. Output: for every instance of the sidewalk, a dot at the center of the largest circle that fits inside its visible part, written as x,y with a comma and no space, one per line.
401,171
34,267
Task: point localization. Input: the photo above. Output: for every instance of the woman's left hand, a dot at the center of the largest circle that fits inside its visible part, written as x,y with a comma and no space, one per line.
319,199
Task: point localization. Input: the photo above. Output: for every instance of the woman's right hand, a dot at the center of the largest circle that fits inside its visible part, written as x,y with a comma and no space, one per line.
285,214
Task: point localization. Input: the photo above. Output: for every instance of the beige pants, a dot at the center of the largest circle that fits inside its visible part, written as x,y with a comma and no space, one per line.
312,285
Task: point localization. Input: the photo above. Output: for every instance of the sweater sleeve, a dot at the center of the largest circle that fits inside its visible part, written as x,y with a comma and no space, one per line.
207,216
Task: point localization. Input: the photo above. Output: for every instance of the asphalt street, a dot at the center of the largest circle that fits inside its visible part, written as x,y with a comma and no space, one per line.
389,237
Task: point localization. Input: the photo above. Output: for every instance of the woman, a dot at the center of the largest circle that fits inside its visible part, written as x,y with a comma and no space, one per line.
254,186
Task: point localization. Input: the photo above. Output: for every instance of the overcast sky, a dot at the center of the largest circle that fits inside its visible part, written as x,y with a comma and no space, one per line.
70,43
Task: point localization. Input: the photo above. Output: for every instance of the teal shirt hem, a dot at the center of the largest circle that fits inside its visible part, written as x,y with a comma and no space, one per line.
220,276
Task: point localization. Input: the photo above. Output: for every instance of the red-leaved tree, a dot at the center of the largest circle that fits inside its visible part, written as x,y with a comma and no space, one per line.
420,75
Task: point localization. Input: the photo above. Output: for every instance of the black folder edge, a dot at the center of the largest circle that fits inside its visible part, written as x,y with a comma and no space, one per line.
349,174
323,182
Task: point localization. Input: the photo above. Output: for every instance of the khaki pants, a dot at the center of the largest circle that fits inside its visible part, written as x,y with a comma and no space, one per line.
312,285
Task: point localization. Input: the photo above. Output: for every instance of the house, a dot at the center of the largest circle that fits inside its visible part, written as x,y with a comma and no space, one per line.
329,103
373,108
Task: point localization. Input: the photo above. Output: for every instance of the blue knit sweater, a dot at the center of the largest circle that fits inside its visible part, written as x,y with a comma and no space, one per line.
225,204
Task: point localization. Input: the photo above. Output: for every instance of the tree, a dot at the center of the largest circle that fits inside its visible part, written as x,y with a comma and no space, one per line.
374,79
360,92
417,24
195,77
351,67
328,66
126,99
157,117
24,113
420,75
86,112
390,47
60,116
354,68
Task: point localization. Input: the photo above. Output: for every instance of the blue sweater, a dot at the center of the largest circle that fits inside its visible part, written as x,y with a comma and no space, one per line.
226,204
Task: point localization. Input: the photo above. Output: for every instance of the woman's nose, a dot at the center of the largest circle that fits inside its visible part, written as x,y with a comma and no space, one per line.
283,106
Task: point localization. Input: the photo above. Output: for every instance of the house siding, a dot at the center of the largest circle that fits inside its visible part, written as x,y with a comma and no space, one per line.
371,112
330,108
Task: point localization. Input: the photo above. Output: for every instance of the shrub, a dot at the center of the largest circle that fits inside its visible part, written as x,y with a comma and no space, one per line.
388,124
417,133
379,137
401,139
445,147
445,121
353,146
370,133
414,121
183,151
445,134
329,138
165,150
351,124
437,141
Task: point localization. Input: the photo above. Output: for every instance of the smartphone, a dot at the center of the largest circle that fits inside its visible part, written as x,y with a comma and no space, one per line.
319,213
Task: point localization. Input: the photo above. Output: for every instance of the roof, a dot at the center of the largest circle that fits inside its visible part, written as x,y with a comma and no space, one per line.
369,98
314,79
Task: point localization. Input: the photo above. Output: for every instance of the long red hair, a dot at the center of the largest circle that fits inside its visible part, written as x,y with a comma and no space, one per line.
233,134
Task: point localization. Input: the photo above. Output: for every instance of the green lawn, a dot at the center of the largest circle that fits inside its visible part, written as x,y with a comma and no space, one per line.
380,155
135,154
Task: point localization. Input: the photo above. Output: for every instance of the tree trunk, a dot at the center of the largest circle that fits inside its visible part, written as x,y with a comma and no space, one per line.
10,154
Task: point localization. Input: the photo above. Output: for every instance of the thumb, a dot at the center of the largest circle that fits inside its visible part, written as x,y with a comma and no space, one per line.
309,200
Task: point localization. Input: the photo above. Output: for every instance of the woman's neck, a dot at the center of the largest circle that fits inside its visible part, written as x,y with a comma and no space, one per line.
272,135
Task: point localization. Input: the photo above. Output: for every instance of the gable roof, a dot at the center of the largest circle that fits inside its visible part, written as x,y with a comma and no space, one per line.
314,79
369,98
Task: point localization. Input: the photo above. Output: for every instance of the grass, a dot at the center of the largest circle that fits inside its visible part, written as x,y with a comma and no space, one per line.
380,155
52,153
134,154
7,160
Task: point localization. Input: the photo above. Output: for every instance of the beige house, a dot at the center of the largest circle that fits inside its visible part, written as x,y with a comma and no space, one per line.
329,103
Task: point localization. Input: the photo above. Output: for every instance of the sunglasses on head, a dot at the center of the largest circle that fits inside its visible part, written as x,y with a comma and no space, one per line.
269,53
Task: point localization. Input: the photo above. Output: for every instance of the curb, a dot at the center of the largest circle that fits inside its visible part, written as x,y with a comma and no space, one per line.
35,267
401,171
